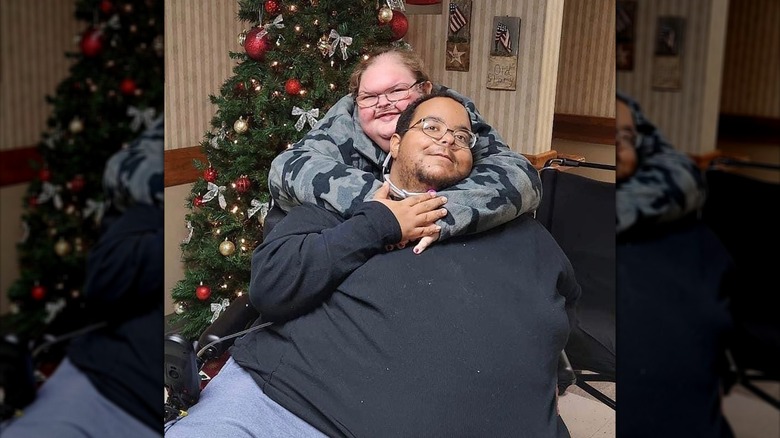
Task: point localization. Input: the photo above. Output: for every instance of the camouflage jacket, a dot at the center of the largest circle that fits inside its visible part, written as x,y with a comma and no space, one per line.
667,184
134,175
338,167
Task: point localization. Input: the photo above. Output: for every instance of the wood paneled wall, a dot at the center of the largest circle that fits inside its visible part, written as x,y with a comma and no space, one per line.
688,117
524,116
200,34
752,66
198,37
32,63
586,73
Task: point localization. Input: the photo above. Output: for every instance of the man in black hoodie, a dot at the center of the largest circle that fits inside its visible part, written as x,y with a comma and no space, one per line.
109,385
460,340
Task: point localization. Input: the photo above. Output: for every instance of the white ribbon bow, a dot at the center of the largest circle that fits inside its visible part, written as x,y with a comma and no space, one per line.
49,191
218,136
146,117
216,191
54,137
305,116
52,309
96,207
114,22
262,207
25,232
277,23
189,236
396,4
217,308
340,41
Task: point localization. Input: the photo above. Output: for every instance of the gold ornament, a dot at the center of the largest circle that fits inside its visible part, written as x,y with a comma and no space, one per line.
76,125
242,37
227,248
180,307
323,45
62,247
385,14
241,125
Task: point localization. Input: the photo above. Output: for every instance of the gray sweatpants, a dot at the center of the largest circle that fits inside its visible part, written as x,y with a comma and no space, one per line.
232,405
69,406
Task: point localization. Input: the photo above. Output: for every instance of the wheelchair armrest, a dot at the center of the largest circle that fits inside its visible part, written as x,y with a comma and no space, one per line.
238,316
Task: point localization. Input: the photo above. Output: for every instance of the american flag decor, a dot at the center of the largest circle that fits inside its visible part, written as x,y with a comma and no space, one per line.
457,19
502,36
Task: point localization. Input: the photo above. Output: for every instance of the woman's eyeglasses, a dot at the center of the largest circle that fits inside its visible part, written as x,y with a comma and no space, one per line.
394,94
628,138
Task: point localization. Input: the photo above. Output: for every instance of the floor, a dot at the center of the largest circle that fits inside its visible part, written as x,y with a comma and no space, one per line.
585,416
749,416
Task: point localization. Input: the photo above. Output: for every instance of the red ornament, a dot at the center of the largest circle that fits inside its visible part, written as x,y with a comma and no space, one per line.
44,174
257,44
77,184
197,201
38,292
127,87
239,88
272,7
203,292
106,7
91,43
292,87
242,184
399,24
210,174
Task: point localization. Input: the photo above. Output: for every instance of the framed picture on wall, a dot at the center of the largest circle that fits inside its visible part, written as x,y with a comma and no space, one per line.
458,56
668,54
625,29
504,43
669,36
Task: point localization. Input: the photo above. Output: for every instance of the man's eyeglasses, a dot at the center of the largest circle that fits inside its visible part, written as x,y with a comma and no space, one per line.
436,129
394,94
628,138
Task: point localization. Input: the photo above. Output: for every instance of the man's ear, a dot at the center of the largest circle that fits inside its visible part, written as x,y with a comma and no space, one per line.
395,143
427,86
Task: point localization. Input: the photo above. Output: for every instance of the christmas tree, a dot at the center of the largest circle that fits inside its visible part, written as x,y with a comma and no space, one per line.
113,91
295,64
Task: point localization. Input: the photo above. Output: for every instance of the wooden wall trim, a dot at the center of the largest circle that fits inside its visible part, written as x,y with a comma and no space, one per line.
587,129
749,129
179,168
15,165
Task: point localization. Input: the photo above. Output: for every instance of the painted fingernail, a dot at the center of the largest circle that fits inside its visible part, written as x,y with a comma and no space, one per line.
432,191
416,251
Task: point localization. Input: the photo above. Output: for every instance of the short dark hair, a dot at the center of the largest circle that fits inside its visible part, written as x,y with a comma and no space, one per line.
405,119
